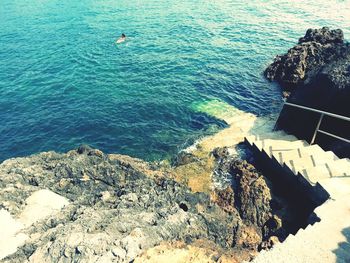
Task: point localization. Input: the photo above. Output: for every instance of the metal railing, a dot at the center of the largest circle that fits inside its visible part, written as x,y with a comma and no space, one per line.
322,114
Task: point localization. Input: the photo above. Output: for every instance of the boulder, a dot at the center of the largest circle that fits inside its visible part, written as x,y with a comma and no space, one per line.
252,195
319,47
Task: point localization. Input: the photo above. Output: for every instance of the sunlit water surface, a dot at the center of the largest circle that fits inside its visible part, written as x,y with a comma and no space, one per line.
64,82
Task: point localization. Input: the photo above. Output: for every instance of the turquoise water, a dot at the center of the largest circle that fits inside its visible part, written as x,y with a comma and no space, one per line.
64,82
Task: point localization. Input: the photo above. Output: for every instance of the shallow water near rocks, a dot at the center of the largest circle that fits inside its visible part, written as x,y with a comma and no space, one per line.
64,82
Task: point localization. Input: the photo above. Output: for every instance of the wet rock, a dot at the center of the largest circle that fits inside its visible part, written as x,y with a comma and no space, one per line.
84,149
220,153
323,36
183,158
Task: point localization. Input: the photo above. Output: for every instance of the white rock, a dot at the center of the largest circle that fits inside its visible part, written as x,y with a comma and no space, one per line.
41,204
105,196
9,239
119,253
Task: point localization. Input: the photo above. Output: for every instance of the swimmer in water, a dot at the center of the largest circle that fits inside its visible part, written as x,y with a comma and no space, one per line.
121,39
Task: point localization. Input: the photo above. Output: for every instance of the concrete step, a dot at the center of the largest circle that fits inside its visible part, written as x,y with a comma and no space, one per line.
338,168
334,156
279,145
342,166
279,135
315,174
316,243
326,241
316,150
336,186
306,151
297,161
300,164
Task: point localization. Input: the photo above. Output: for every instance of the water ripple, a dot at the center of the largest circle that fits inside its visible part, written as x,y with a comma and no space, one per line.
64,82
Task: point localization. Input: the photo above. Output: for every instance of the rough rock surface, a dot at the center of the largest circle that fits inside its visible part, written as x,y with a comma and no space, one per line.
198,252
313,54
119,207
253,198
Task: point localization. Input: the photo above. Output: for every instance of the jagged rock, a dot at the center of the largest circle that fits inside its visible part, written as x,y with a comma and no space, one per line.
220,153
252,196
269,243
323,36
262,212
199,251
248,237
84,149
183,158
225,199
114,213
302,63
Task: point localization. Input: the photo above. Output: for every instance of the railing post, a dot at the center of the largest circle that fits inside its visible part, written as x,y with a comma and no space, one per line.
275,127
317,128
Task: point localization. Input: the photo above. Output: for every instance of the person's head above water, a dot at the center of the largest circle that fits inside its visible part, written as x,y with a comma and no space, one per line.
123,35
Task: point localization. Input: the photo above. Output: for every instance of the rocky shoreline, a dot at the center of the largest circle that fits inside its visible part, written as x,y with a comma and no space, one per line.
118,207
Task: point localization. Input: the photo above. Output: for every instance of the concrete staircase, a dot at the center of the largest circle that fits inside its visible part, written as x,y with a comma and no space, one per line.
319,171
308,162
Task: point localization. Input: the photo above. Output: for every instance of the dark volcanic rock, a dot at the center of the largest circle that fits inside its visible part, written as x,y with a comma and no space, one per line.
317,48
323,36
253,197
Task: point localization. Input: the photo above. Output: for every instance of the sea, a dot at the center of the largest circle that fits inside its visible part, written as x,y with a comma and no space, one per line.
65,82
